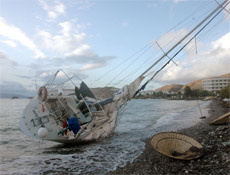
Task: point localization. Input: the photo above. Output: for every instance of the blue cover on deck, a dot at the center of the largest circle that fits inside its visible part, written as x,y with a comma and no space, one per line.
74,125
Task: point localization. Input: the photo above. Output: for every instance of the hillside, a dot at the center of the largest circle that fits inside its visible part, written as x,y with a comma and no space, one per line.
225,76
172,87
193,85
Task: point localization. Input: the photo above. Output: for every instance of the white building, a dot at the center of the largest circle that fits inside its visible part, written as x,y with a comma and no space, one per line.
215,84
148,92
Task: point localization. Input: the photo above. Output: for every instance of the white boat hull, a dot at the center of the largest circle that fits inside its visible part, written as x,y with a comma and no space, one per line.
101,126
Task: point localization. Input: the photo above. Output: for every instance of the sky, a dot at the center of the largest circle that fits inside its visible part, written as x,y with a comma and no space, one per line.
108,43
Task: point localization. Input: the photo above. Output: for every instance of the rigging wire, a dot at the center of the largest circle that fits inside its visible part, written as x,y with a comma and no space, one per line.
144,85
182,31
117,66
175,38
185,53
202,36
112,69
165,66
138,57
187,26
199,37
61,83
196,45
136,70
164,52
190,24
222,6
187,17
185,37
205,4
146,60
205,35
123,79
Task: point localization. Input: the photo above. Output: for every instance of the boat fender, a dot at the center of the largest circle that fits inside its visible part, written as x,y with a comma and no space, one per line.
42,93
42,132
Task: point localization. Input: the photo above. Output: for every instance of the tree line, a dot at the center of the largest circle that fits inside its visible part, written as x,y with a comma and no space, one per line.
190,93
225,92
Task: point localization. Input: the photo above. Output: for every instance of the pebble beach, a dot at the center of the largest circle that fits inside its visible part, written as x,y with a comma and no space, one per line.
214,138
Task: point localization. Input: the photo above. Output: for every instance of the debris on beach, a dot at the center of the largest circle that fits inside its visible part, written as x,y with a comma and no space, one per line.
177,146
221,120
209,98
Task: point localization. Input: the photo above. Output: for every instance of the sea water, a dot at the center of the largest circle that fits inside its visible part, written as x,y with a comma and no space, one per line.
137,120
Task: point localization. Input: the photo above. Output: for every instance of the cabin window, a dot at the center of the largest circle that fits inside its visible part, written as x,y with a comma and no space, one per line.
39,121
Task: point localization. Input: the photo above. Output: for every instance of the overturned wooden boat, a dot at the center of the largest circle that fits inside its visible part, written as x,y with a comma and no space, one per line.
177,146
223,119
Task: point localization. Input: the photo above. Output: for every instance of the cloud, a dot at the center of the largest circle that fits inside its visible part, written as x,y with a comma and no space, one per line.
82,50
177,1
76,63
65,42
5,60
91,66
53,8
69,45
11,87
16,34
91,59
222,42
9,43
3,57
207,63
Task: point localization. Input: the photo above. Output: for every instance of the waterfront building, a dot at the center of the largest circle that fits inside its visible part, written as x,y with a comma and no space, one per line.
215,84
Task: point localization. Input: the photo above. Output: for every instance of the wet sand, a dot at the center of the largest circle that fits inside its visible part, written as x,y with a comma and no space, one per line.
216,158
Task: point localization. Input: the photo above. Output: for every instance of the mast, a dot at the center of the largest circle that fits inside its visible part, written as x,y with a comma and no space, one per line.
166,53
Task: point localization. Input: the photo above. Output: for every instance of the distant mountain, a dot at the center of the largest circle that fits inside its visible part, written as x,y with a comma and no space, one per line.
225,75
193,85
12,96
172,87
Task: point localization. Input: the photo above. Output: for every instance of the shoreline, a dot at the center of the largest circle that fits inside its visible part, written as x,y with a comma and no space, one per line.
216,158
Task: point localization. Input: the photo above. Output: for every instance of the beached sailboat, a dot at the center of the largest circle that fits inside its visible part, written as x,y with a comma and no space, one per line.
63,114
72,115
